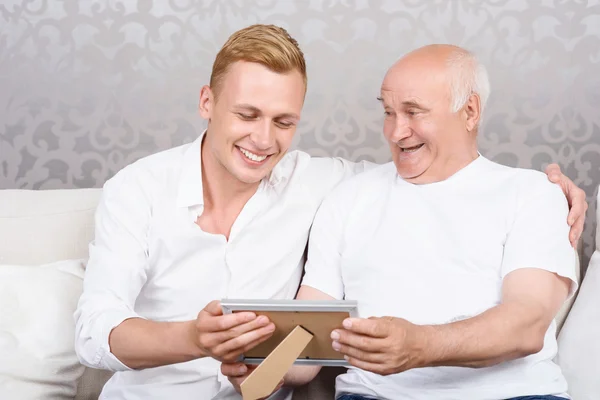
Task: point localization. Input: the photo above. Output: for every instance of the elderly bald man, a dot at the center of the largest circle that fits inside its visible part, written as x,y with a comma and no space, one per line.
460,264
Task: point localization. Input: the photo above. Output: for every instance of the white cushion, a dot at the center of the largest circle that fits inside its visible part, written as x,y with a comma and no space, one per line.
579,339
37,330
43,226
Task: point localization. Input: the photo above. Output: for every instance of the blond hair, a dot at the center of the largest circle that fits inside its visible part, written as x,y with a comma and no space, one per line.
268,45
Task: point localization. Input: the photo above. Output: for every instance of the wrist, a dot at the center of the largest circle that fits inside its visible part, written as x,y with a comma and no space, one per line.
190,340
425,346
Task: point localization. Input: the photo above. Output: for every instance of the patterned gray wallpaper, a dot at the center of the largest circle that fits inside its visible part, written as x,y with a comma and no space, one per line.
88,86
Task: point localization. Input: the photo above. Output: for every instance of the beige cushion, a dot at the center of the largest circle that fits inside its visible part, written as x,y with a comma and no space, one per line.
43,226
579,340
38,227
37,330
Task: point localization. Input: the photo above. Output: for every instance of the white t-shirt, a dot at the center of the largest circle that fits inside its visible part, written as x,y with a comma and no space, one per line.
437,253
150,260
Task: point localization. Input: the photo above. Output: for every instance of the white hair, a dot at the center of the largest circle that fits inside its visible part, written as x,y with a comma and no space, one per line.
467,76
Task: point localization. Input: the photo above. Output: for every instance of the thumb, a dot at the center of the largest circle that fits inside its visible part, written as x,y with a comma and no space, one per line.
214,308
233,369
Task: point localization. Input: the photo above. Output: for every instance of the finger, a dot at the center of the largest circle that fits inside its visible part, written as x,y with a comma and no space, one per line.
236,353
359,354
576,199
579,223
255,343
239,344
575,236
362,342
574,242
368,366
554,173
576,231
209,323
377,327
576,217
234,369
237,382
214,309
239,330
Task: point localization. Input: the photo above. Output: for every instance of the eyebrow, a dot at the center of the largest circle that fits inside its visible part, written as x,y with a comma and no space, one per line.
412,103
256,110
407,103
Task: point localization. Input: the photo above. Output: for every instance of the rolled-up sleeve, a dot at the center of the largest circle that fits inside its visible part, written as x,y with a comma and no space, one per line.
116,270
323,266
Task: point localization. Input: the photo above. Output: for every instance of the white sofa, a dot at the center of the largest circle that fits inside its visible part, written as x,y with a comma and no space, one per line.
42,227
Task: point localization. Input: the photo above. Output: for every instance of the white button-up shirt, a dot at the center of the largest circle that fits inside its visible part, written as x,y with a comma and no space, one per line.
151,260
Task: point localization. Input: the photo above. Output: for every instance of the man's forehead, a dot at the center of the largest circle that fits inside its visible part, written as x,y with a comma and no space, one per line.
416,90
397,95
254,85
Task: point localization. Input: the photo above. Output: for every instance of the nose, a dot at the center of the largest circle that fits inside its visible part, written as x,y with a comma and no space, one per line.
401,130
263,136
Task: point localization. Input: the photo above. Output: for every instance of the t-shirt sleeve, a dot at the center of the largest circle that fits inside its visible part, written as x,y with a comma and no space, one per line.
539,235
323,266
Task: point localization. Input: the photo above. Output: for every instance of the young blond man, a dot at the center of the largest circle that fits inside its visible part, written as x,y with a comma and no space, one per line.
225,216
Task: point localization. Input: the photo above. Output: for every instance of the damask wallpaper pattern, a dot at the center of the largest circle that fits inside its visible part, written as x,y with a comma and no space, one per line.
88,86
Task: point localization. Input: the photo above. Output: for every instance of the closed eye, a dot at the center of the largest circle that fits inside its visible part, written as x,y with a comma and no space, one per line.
246,117
284,124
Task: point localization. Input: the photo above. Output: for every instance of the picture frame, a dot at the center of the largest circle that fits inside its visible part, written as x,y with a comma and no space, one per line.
319,317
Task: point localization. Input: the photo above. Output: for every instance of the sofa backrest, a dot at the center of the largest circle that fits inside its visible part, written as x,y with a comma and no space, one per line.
46,226
579,340
39,227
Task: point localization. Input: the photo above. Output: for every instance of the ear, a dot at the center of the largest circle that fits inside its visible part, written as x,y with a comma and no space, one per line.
473,112
207,100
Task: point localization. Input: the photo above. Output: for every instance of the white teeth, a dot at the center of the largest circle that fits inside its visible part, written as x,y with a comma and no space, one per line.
411,149
252,156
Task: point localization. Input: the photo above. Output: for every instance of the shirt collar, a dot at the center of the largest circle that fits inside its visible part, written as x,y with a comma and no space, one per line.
277,175
189,189
190,193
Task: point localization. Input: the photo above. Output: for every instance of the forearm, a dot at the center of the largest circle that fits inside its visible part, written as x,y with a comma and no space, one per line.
139,343
502,333
299,375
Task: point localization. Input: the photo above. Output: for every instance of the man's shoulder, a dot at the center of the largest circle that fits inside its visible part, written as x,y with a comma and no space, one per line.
300,161
147,174
160,161
292,162
368,183
155,164
375,175
299,167
522,182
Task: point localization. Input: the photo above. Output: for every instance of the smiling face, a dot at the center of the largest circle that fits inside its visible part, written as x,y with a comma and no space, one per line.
253,120
427,140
